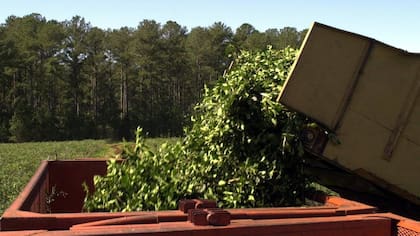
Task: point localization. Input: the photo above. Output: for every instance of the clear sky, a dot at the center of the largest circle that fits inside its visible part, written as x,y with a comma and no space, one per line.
395,22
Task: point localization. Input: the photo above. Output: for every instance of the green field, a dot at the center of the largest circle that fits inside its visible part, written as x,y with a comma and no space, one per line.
19,161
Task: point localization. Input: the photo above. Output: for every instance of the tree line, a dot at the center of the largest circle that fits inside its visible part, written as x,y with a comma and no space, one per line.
71,80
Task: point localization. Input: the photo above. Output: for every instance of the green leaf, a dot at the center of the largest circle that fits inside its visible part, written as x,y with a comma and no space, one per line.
241,145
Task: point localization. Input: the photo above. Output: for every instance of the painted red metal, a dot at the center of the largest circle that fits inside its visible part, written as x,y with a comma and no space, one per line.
198,217
337,216
126,220
23,233
404,226
342,225
187,204
204,203
339,225
218,217
204,212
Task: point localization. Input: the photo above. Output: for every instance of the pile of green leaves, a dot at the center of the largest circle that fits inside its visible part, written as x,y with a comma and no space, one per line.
242,148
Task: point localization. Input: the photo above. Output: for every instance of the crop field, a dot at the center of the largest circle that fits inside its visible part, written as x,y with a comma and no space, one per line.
19,161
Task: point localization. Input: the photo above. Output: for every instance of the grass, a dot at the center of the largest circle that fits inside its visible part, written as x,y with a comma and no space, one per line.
154,143
19,161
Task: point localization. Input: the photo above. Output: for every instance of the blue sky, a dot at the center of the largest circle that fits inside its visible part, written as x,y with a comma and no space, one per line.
391,21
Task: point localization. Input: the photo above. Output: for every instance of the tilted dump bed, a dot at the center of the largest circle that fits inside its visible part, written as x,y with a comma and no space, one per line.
368,94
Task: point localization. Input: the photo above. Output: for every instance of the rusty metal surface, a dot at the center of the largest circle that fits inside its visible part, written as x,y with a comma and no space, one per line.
368,94
21,216
342,225
337,216
364,224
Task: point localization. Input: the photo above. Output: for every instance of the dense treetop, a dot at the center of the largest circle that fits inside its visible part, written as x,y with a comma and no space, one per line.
71,80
